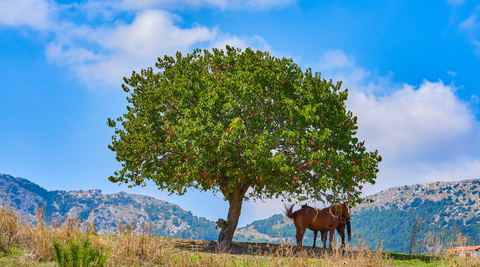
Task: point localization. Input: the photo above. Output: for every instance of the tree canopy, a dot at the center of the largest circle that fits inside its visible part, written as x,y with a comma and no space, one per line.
230,121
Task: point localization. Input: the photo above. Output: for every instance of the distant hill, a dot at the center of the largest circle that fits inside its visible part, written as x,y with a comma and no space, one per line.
450,206
106,210
453,206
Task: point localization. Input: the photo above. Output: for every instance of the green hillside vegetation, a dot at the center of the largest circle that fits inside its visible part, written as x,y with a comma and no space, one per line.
446,207
391,226
106,211
64,245
394,226
75,243
200,228
278,226
274,226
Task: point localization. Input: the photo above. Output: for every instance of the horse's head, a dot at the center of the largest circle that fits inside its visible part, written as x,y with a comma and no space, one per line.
344,210
346,215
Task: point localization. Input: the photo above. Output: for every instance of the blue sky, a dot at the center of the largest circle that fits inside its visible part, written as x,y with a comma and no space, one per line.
412,69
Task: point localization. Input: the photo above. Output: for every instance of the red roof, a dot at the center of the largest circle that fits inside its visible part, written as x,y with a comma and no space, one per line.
466,248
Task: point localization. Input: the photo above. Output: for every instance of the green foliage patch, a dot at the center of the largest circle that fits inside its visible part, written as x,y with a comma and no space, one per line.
78,253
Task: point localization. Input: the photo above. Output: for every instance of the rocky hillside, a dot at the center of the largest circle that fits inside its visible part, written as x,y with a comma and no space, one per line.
464,194
449,207
106,210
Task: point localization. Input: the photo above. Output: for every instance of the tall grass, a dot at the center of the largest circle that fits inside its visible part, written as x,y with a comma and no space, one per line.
64,241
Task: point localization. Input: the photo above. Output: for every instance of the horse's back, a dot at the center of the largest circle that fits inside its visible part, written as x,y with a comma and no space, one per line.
316,219
325,220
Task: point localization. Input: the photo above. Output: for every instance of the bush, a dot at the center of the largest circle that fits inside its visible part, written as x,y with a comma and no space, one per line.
78,254
9,228
416,202
471,220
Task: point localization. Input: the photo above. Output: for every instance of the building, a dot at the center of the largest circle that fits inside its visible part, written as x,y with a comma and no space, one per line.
471,251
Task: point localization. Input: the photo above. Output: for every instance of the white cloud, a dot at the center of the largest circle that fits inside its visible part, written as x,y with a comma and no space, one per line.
452,73
256,42
336,59
411,124
137,5
423,132
106,54
470,23
262,4
471,28
101,54
461,169
456,2
33,13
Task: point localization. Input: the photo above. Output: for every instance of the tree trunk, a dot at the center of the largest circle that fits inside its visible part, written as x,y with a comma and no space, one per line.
416,227
228,227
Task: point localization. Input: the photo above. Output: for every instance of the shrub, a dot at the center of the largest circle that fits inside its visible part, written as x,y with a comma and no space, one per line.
78,253
471,220
416,202
9,228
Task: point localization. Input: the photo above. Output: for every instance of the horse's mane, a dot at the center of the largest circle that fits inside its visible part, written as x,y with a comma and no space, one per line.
305,206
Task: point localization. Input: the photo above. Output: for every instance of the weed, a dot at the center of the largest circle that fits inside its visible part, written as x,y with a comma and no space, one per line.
78,253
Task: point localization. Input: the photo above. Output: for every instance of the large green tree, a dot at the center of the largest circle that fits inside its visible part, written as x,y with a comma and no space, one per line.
245,124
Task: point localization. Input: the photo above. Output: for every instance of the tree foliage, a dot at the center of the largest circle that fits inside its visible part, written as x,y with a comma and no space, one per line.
229,119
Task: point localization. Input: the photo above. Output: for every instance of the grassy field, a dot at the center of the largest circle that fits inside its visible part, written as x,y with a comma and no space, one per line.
69,242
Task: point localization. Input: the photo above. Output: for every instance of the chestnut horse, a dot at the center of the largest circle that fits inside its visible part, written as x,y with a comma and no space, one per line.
340,230
325,220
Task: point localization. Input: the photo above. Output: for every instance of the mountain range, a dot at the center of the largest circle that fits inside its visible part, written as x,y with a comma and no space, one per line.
107,211
448,207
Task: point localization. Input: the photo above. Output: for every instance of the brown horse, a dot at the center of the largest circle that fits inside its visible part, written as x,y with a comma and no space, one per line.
340,230
326,220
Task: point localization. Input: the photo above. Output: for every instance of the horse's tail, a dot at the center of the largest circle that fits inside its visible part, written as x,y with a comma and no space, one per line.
349,230
289,211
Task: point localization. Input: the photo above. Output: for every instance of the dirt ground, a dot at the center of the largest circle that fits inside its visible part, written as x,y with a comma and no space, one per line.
236,248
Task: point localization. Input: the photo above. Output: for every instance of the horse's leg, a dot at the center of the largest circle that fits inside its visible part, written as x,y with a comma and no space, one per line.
299,236
341,232
332,235
324,239
342,235
314,237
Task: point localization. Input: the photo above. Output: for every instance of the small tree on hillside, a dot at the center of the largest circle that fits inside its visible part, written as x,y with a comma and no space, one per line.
232,122
416,227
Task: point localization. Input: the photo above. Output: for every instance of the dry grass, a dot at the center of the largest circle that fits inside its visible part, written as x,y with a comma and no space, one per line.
133,245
